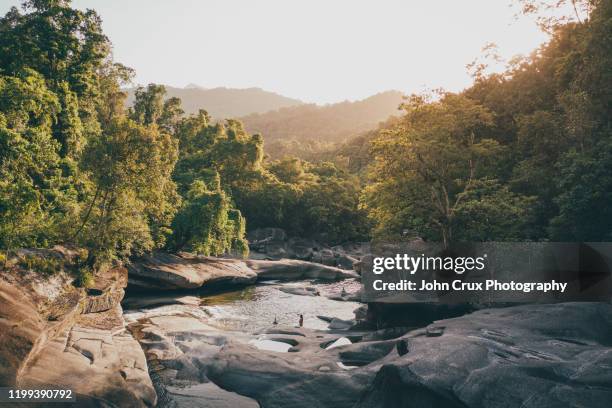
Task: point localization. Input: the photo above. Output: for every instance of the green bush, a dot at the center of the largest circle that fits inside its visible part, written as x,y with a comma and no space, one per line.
85,277
46,266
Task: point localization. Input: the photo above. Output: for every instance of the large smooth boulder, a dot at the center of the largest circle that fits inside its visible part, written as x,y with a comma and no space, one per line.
55,335
34,308
296,269
107,356
556,355
162,271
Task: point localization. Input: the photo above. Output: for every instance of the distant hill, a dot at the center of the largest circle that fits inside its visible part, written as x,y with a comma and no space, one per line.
224,103
329,123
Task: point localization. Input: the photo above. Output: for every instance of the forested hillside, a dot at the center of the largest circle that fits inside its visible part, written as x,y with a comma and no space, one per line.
224,103
307,129
521,155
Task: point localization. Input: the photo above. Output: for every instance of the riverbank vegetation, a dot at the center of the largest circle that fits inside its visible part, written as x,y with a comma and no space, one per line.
520,155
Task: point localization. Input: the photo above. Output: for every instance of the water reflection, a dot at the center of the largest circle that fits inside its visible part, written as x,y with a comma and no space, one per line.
246,294
255,308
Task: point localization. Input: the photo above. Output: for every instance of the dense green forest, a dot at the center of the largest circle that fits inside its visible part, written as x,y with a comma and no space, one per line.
520,155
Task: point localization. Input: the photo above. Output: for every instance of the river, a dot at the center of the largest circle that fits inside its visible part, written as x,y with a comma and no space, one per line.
181,333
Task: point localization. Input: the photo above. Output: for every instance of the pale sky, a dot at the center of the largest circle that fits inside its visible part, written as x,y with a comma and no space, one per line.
316,50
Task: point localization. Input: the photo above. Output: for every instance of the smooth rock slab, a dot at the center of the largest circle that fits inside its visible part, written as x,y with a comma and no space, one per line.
293,269
525,356
94,363
162,271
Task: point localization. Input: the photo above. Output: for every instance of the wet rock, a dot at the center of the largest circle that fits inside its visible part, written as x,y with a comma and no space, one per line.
302,379
186,351
163,271
145,301
273,244
548,355
178,347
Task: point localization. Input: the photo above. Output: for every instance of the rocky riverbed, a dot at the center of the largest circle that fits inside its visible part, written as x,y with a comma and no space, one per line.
225,349
539,355
183,341
227,337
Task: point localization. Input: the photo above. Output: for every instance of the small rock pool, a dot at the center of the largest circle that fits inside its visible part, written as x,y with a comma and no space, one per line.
254,308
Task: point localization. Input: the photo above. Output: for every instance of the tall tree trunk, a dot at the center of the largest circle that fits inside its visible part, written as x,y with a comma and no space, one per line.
93,201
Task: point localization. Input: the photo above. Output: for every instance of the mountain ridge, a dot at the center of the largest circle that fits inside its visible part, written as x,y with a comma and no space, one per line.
223,102
328,123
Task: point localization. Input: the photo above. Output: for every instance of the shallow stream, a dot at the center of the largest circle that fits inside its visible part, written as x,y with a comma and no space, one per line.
183,330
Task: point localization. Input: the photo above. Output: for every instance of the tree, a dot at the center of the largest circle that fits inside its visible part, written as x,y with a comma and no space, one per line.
67,47
31,178
490,211
550,14
207,223
148,105
134,198
585,184
330,206
427,167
